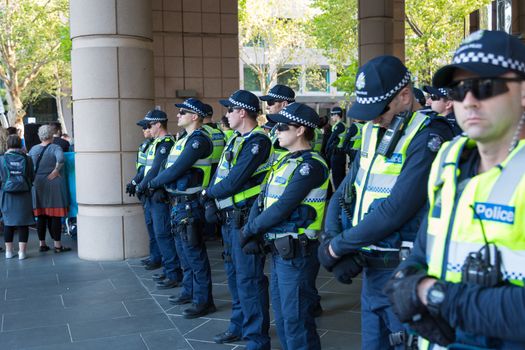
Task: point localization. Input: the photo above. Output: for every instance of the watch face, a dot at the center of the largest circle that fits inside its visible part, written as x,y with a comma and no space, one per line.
436,295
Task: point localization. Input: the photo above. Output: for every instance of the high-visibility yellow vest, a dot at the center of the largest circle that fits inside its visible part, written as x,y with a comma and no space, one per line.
218,140
317,142
377,174
233,148
279,178
142,153
494,200
342,136
201,165
357,138
150,156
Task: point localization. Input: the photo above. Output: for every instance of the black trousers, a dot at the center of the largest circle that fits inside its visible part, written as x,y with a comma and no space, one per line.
9,233
338,167
53,223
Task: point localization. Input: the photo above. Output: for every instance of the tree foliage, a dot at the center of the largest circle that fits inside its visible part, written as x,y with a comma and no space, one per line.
31,42
434,29
271,36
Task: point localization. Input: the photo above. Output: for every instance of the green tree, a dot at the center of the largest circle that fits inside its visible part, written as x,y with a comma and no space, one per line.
31,39
271,36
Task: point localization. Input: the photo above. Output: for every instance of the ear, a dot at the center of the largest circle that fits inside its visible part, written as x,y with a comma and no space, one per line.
449,104
523,93
406,95
300,131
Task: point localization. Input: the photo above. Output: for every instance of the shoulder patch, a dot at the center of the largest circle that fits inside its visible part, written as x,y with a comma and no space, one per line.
434,142
305,169
255,149
163,150
196,144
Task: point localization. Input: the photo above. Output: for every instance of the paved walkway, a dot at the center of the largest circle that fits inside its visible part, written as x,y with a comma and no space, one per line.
57,301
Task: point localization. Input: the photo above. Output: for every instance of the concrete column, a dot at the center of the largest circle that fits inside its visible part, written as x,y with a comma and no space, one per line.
381,29
112,64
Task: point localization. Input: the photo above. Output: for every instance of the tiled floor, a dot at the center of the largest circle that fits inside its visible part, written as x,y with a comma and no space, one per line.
57,301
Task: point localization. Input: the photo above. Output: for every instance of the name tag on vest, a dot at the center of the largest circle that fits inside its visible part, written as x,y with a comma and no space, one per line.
397,158
494,212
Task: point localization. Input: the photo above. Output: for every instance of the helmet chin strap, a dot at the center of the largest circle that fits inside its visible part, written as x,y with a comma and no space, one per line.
516,137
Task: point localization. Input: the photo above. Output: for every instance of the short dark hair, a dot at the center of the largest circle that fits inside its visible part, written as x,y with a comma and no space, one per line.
14,141
253,115
309,133
164,124
225,121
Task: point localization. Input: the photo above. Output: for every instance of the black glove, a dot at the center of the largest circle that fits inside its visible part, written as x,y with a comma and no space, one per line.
143,189
327,260
250,244
131,189
402,293
435,329
159,196
211,212
349,267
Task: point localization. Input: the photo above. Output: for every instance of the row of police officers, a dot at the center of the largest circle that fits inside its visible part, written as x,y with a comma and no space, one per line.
434,223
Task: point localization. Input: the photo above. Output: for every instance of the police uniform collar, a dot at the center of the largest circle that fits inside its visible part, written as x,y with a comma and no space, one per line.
487,54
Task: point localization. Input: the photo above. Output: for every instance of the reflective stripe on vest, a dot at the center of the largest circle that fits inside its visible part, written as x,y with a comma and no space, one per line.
496,195
235,145
150,155
279,179
342,136
202,164
218,140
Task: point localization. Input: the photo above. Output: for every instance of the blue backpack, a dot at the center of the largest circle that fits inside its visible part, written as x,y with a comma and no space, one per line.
15,165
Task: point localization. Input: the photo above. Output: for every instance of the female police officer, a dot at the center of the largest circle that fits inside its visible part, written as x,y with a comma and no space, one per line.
288,214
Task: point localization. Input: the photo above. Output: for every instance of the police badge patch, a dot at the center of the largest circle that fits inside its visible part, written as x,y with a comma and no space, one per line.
195,145
255,149
305,169
163,150
434,142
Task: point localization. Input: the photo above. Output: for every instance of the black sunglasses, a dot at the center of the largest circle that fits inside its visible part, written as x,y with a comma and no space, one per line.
285,127
481,88
272,102
231,109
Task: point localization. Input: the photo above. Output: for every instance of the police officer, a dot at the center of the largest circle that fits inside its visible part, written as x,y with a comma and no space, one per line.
187,171
374,215
155,258
159,210
335,150
235,186
443,104
289,215
352,141
218,137
278,97
463,283
225,127
420,102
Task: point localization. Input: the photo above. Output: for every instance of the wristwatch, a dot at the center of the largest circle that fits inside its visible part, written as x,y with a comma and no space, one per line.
435,297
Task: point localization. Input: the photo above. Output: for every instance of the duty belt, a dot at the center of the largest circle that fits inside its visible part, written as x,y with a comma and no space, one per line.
311,234
380,260
174,200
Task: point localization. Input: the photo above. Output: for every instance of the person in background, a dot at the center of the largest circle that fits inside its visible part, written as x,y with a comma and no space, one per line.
226,129
57,137
16,176
50,198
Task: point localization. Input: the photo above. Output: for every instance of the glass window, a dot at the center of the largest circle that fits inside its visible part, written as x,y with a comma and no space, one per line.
290,77
251,79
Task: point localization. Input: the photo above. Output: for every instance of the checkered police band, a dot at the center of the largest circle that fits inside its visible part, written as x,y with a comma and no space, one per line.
297,119
489,58
377,99
281,97
243,105
193,108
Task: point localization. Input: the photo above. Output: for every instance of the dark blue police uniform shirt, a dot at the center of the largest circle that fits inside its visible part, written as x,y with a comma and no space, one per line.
494,312
334,137
198,146
297,189
406,199
247,163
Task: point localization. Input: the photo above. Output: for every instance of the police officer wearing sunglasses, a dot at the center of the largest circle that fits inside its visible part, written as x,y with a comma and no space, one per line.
442,104
159,211
235,186
375,214
155,258
288,216
186,172
462,286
